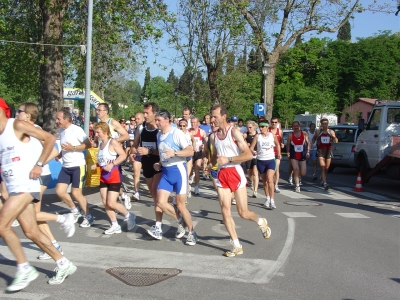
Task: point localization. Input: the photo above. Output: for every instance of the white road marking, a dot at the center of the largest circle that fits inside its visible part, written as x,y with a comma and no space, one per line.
23,295
329,193
352,215
364,194
298,215
195,265
294,195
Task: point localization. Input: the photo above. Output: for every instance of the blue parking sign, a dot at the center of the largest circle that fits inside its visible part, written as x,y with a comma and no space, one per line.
259,109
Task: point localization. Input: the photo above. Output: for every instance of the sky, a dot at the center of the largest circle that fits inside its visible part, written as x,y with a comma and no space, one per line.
363,25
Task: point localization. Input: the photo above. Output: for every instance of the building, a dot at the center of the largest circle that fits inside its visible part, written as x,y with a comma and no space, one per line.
361,109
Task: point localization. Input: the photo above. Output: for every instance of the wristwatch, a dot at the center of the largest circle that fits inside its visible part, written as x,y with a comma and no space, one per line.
39,164
150,151
175,153
230,159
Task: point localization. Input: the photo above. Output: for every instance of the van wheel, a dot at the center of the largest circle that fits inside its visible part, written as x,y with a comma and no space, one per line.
331,168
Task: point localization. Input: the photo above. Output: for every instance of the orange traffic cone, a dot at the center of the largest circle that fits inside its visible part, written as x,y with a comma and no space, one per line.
358,187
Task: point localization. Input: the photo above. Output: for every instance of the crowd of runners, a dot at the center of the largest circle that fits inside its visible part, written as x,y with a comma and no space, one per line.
171,153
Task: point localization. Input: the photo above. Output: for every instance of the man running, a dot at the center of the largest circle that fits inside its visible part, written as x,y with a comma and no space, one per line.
313,151
200,137
119,133
298,147
231,150
173,148
324,138
137,164
21,168
145,145
279,135
73,142
186,114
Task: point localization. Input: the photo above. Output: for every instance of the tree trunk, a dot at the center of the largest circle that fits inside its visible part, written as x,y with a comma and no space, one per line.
51,69
212,83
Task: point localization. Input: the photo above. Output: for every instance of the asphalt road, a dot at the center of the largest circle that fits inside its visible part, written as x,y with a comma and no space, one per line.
324,245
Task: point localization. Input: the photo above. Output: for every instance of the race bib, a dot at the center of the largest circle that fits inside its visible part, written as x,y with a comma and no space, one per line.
149,145
131,136
325,139
163,157
266,145
298,148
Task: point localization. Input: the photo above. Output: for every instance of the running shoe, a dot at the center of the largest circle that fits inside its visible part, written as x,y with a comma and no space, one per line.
272,205
62,273
297,189
127,201
77,215
191,178
136,196
180,231
155,232
254,194
265,230
277,190
87,222
113,230
267,203
233,202
130,221
326,186
69,225
235,251
15,223
45,256
291,180
314,177
22,279
191,239
196,191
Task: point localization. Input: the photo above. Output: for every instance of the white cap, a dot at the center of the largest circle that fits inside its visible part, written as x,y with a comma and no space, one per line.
128,122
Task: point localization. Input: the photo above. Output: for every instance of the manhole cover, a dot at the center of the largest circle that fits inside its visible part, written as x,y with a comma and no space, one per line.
142,276
302,203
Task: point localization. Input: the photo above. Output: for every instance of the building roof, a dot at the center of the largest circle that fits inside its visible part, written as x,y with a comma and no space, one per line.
368,100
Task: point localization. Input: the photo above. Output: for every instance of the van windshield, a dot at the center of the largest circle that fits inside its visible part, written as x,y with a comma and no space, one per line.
345,134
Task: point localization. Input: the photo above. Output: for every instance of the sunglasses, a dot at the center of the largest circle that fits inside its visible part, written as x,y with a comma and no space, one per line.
133,120
249,127
274,122
182,125
262,126
20,111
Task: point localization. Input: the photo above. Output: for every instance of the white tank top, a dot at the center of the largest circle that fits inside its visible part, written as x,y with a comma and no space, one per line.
189,138
227,147
311,136
265,147
105,156
38,150
17,161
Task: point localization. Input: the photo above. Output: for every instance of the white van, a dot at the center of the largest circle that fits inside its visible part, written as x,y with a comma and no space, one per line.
374,142
306,119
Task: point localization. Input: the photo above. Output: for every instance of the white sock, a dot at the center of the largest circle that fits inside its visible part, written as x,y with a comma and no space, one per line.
236,243
272,199
114,223
158,225
260,221
61,219
55,244
23,267
62,262
74,210
268,198
127,215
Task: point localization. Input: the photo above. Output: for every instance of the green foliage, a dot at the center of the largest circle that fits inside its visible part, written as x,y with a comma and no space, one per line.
344,32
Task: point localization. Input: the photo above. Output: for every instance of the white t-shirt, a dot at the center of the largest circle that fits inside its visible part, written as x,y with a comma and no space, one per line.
75,136
174,139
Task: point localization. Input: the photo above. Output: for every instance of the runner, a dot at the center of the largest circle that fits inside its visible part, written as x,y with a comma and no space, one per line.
174,148
189,159
137,164
251,165
313,151
201,138
73,142
145,145
298,147
28,112
279,134
21,168
131,128
186,114
119,133
265,142
231,150
324,139
111,155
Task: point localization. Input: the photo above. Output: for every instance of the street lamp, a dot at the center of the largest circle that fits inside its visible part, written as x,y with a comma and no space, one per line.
265,69
144,99
175,94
